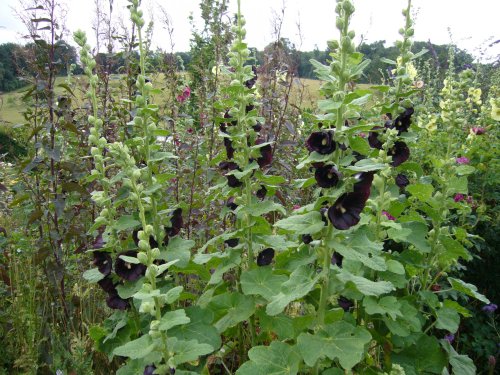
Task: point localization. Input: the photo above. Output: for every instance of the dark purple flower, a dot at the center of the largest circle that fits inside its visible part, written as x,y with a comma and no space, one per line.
307,238
337,259
129,271
450,337
176,222
403,121
478,130
257,127
232,242
114,301
346,210
265,257
402,181
388,215
373,140
400,153
107,284
462,160
103,262
261,193
149,369
458,197
229,148
322,142
363,184
490,308
231,205
327,176
324,214
266,153
232,181
345,303
251,82
249,107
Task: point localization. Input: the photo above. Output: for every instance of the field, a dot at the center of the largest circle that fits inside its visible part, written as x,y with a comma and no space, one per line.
228,219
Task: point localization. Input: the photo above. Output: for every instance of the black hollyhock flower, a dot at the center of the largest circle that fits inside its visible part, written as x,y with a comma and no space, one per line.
373,140
114,301
229,148
337,259
400,153
232,181
249,107
393,246
231,205
98,242
363,184
107,285
327,176
345,303
232,242
261,193
129,271
265,257
307,238
346,210
103,262
266,154
251,82
403,121
402,181
149,369
257,127
176,222
321,142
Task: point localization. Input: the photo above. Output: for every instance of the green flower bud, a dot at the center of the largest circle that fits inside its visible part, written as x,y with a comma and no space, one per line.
142,235
155,253
136,174
143,258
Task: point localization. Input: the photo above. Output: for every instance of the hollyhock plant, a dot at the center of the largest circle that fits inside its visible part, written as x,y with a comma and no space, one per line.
337,259
345,212
388,215
232,242
232,181
265,257
327,176
114,301
458,197
251,82
373,140
176,222
306,238
403,121
262,192
186,93
478,130
129,271
345,304
322,142
462,160
266,153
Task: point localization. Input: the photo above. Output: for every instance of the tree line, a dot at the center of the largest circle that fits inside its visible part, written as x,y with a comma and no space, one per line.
14,67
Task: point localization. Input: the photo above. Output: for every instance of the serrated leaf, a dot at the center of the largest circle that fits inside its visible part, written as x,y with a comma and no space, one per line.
200,328
231,308
126,222
276,359
447,319
339,340
423,192
388,305
261,281
187,351
361,249
93,275
309,223
363,285
467,289
137,348
173,318
300,283
180,249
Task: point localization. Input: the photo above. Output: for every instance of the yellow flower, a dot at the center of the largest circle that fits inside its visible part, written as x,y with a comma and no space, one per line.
495,110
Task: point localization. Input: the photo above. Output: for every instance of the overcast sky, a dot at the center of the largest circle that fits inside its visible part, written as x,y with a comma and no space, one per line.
472,25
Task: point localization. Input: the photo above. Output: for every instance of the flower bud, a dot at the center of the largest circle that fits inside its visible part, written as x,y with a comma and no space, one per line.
143,258
155,253
144,245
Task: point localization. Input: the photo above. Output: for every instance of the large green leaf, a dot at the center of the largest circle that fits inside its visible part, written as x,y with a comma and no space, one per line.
137,348
413,232
388,306
339,340
187,351
301,281
468,289
230,309
447,319
126,222
261,281
173,318
361,249
363,285
200,328
309,223
276,359
423,192
178,248
461,364
424,357
261,208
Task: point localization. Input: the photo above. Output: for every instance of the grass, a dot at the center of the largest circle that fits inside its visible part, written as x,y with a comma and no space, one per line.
12,106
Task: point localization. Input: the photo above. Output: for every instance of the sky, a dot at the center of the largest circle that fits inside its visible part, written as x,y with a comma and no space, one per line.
472,25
